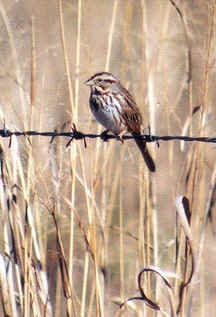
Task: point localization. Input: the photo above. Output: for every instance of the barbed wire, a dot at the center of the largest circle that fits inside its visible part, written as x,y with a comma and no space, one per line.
74,134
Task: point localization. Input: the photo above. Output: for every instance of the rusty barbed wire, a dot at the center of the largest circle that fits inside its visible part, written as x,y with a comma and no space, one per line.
74,134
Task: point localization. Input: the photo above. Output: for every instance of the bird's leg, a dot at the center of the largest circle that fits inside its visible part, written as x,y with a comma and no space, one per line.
121,134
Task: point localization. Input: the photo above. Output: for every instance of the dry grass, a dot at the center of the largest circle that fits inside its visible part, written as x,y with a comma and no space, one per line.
78,225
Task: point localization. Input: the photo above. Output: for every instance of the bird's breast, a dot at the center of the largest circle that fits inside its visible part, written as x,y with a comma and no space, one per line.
106,113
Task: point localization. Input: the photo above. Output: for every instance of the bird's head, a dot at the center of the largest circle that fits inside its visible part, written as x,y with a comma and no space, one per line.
101,82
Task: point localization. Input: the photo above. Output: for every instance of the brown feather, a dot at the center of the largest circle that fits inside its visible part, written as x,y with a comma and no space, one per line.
146,155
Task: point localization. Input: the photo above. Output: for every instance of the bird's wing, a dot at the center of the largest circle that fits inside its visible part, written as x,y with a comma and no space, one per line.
131,113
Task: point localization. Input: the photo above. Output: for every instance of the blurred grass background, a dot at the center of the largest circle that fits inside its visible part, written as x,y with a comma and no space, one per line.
113,217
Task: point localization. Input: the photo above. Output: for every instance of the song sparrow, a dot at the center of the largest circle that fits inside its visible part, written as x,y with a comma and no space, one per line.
115,108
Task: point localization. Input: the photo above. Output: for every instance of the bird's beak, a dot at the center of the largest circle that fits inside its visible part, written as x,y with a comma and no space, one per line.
89,82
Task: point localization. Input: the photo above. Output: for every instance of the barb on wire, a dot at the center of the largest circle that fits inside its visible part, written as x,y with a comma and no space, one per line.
74,134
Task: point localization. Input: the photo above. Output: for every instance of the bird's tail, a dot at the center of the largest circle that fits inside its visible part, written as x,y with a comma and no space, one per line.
146,155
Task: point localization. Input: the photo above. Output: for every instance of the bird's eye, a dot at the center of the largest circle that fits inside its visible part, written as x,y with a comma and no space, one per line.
97,81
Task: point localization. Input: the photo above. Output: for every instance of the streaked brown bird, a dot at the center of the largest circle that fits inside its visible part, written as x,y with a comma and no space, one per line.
115,108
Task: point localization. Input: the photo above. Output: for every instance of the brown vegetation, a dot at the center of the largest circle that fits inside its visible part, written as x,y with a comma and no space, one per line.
79,224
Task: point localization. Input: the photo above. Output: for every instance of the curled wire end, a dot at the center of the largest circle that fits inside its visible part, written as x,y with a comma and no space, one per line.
53,136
